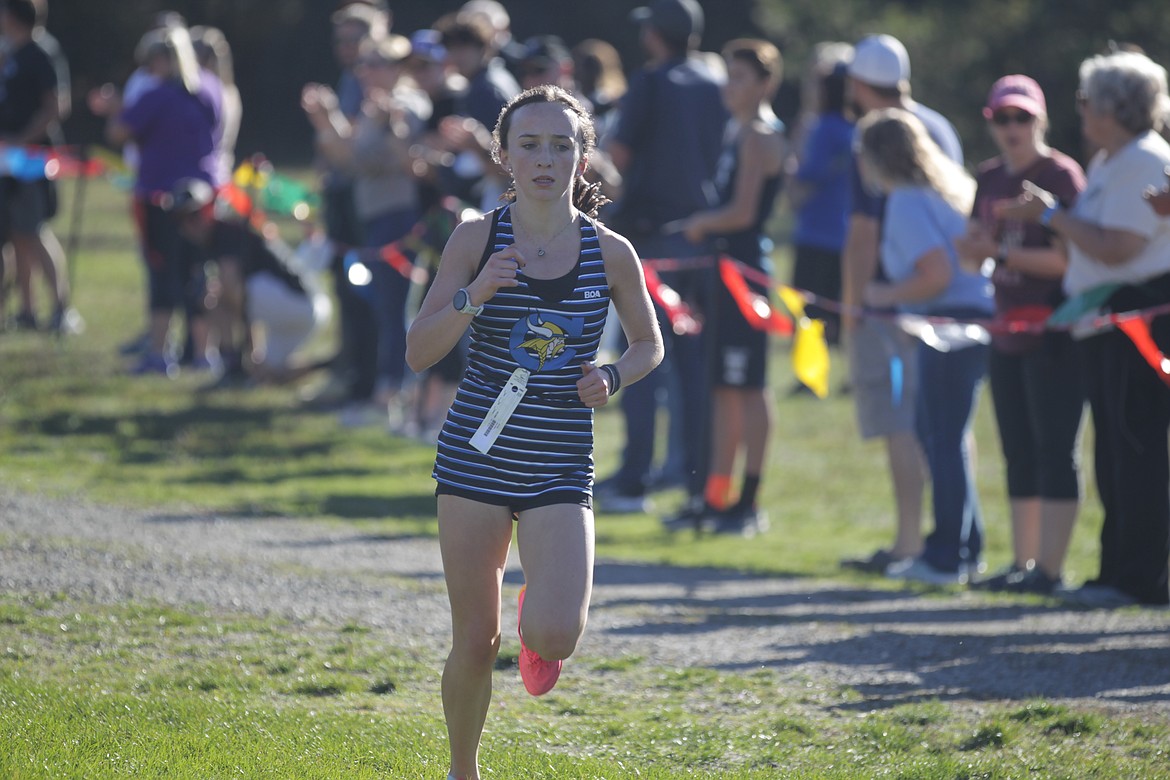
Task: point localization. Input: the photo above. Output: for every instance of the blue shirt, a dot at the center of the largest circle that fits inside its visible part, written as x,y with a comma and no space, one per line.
918,221
822,220
487,93
939,128
672,120
872,204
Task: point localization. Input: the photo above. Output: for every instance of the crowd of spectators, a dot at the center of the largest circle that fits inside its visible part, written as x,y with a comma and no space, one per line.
887,223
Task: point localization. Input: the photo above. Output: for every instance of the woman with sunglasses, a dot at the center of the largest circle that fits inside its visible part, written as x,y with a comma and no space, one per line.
1035,381
1119,247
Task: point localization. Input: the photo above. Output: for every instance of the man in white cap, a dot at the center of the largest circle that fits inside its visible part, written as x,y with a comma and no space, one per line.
881,356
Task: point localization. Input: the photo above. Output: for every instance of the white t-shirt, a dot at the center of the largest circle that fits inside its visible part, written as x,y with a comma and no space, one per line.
1113,199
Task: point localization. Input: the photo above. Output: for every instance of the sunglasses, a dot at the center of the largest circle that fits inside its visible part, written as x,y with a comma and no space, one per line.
1004,119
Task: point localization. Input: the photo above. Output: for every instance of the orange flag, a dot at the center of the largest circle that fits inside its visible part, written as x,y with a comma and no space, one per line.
753,306
1138,331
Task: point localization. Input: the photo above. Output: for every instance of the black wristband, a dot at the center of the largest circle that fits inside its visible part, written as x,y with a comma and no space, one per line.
615,378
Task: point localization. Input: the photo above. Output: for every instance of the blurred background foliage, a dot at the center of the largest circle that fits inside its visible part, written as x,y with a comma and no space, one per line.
957,49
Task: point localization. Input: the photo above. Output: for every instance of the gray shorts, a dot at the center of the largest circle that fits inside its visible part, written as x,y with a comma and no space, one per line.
885,402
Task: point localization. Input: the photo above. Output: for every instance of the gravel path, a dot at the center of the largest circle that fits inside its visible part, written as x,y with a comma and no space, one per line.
890,646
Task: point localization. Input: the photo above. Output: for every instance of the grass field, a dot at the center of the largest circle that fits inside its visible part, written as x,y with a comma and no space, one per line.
145,691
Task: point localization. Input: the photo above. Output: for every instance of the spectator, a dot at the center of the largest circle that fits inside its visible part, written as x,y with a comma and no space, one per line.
173,125
749,181
1035,379
1116,239
497,19
30,112
264,307
1159,199
432,165
52,47
547,60
471,45
351,383
667,145
879,78
375,150
597,66
819,190
215,57
929,198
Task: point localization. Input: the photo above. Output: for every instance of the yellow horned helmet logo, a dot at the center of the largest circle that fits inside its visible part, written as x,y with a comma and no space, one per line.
547,341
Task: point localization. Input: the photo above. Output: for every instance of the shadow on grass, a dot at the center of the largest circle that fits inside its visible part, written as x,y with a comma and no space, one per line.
151,425
416,508
895,668
359,506
896,646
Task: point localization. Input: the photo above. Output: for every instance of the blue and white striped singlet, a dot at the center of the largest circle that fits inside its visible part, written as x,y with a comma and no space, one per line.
549,327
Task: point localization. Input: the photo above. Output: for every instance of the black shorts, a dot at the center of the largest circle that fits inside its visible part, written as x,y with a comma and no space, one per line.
27,205
518,505
740,356
173,266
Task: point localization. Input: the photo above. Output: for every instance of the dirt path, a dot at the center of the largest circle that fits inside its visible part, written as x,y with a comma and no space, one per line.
890,646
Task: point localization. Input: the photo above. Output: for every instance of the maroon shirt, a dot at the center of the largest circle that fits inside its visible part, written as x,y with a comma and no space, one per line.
1058,174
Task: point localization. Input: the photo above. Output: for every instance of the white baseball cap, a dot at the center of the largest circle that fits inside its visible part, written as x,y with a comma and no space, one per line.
881,61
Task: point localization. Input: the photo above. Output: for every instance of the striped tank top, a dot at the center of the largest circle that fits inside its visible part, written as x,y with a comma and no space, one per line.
550,327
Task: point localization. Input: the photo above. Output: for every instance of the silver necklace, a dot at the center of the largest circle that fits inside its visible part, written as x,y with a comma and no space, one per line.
540,250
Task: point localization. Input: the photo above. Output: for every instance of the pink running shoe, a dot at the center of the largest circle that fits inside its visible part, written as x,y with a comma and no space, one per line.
539,675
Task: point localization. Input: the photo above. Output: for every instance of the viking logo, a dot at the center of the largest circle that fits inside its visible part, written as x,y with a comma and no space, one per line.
538,341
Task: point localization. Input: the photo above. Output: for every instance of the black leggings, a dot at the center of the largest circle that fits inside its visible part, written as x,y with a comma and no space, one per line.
1039,402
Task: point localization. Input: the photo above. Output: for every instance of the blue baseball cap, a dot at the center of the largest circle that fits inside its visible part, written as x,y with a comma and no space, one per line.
428,44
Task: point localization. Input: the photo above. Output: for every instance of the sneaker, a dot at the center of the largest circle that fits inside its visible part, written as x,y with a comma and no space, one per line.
611,499
1033,581
539,675
694,515
1097,596
207,365
1003,579
66,322
154,363
135,346
741,521
665,479
877,563
918,570
24,321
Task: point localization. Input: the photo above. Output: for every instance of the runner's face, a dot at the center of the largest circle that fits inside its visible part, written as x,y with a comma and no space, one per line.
543,150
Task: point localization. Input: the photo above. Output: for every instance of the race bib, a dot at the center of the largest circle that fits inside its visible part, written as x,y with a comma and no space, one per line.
502,408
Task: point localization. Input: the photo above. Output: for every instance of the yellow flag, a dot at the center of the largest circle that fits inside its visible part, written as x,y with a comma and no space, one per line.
792,301
810,352
248,176
810,355
244,176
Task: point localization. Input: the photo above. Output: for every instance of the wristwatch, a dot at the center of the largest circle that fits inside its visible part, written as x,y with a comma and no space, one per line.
462,303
